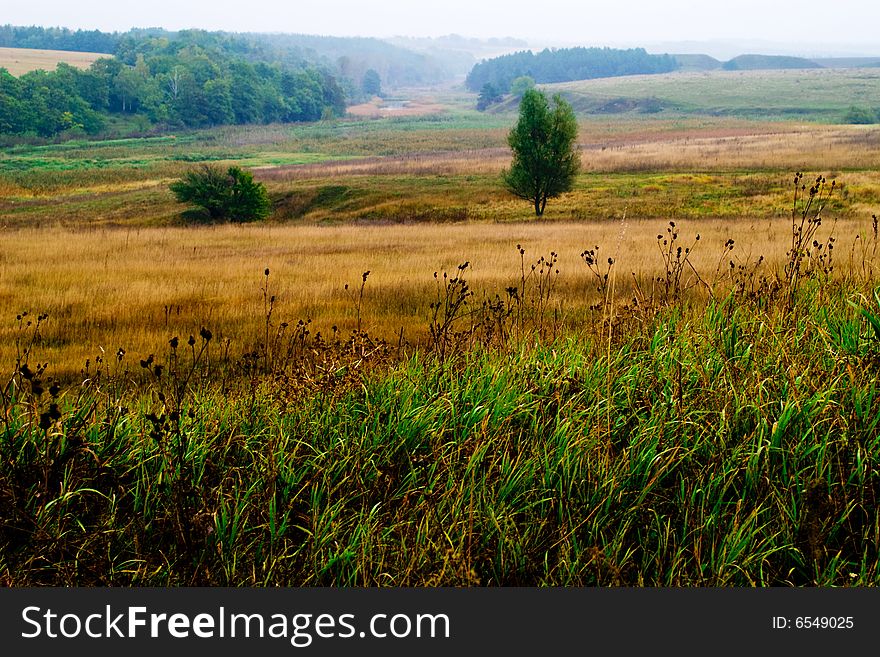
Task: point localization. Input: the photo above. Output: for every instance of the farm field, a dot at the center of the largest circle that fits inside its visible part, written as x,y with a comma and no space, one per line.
403,378
19,61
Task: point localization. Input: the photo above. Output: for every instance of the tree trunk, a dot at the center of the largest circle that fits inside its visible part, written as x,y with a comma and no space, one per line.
540,204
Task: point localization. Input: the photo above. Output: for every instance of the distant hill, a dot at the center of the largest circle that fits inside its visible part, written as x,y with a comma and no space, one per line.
351,57
348,58
457,52
688,63
817,94
566,65
848,62
768,62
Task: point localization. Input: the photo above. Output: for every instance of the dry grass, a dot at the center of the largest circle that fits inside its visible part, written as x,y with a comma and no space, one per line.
759,148
19,61
106,289
806,147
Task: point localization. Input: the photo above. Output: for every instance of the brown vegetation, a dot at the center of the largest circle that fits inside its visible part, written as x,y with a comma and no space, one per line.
106,289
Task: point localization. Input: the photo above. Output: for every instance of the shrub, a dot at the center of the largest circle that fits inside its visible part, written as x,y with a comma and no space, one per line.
860,116
232,195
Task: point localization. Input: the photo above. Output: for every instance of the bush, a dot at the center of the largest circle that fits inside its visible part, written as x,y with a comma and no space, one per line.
232,195
521,85
860,116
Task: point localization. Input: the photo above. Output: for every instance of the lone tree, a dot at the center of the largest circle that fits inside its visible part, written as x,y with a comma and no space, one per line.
544,160
232,194
371,84
489,95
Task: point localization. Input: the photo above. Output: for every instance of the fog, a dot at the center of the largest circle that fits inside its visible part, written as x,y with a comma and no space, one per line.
807,27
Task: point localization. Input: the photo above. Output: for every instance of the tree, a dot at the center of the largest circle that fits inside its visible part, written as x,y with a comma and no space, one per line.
521,85
232,194
371,83
860,115
489,95
545,162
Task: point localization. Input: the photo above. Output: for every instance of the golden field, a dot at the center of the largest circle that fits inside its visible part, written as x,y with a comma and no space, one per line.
136,288
19,61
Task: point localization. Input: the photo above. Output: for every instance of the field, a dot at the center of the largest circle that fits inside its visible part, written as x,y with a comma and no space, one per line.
813,94
403,378
19,61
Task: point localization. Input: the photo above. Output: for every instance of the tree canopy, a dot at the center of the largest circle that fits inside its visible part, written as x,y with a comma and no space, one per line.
489,95
232,195
565,65
545,161
198,79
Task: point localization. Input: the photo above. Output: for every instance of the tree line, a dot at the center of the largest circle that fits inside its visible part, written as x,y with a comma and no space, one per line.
196,79
58,38
347,59
565,65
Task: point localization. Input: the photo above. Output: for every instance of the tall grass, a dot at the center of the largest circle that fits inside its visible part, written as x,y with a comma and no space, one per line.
717,426
110,288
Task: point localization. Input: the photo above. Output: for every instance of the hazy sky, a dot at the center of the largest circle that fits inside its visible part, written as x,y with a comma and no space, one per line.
808,26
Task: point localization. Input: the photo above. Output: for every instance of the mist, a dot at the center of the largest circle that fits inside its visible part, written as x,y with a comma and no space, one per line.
807,28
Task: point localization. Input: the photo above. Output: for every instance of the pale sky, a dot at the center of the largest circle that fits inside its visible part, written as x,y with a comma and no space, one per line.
810,27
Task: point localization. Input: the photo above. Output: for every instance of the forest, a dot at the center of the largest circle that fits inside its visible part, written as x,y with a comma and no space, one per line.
195,80
565,65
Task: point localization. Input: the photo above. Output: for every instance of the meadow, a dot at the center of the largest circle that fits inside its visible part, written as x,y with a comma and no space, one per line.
811,94
402,378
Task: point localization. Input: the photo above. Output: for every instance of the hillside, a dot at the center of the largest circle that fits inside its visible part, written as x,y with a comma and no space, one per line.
767,62
687,63
351,57
817,94
847,62
200,79
566,64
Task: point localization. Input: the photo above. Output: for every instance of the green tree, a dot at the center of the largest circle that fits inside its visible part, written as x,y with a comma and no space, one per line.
521,85
232,194
371,83
489,95
545,162
860,115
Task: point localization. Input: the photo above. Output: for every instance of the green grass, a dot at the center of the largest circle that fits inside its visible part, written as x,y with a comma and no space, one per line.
813,95
401,198
53,168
